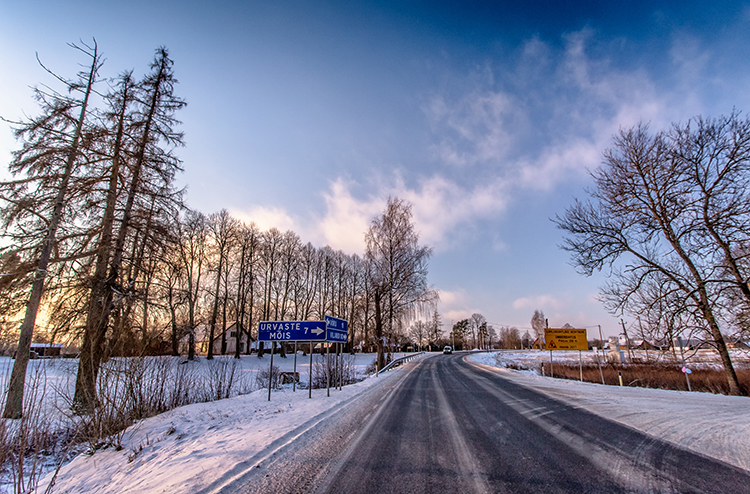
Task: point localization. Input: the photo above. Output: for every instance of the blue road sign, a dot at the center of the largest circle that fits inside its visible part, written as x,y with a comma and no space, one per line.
336,329
292,331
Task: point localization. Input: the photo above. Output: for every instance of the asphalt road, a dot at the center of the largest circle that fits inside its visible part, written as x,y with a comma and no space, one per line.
449,426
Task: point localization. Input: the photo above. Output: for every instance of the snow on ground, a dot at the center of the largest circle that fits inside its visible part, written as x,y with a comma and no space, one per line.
713,425
532,359
188,448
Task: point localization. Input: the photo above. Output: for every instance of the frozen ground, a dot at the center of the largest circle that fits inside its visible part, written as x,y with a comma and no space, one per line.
187,448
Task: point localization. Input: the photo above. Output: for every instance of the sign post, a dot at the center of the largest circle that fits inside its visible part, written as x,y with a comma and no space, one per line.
331,330
294,372
309,383
270,371
596,352
566,339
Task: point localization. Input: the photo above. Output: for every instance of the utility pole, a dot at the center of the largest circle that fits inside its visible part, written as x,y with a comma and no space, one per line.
627,340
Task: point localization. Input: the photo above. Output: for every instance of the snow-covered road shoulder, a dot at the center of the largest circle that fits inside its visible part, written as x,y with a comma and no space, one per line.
192,447
713,425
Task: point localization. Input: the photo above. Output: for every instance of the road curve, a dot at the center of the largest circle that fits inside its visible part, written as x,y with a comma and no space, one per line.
451,426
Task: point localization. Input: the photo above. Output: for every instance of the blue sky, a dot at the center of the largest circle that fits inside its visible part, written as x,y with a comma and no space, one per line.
486,116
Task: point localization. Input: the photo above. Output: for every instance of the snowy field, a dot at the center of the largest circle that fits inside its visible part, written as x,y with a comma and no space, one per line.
194,446
191,447
51,383
532,359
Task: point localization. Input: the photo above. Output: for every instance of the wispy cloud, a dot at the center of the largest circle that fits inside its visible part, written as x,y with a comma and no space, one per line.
549,116
267,218
439,207
520,129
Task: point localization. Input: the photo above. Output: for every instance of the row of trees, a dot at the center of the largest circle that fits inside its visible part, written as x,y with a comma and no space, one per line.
669,218
97,239
476,332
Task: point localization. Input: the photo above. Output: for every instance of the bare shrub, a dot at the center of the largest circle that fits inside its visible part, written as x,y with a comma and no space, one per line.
220,379
29,444
654,375
262,378
372,367
128,389
345,370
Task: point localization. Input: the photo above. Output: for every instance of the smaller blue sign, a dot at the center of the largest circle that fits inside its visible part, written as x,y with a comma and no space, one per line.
336,336
336,329
336,324
292,331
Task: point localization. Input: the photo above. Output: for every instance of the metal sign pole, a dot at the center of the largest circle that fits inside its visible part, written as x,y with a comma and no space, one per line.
328,368
684,367
294,373
551,365
309,384
270,372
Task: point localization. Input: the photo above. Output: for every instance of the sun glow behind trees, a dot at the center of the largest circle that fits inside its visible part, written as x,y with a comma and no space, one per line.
137,273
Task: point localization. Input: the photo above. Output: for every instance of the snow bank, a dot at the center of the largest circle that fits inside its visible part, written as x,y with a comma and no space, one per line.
190,447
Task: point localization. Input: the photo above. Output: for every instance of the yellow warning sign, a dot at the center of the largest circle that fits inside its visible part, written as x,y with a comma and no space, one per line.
565,339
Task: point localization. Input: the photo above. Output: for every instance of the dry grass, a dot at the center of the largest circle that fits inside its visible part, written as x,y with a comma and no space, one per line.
653,375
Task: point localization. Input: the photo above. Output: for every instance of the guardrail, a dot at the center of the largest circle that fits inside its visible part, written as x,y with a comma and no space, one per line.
399,361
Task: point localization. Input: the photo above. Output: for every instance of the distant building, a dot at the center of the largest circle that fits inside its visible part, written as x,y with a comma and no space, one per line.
202,335
47,349
231,340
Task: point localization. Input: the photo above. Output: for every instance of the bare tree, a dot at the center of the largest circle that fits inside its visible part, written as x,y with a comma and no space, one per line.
248,250
44,156
153,124
435,328
478,324
643,213
418,332
222,229
538,323
399,269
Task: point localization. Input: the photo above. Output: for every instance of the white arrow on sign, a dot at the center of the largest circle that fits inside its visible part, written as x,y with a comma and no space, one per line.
318,331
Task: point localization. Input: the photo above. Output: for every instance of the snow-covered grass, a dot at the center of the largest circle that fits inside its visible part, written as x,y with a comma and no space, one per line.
130,389
191,447
532,359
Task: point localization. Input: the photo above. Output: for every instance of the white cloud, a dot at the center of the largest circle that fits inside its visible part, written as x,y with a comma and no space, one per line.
553,113
523,128
267,218
454,306
347,219
439,207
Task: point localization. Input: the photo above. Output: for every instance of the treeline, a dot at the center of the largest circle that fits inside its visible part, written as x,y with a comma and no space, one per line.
476,332
98,240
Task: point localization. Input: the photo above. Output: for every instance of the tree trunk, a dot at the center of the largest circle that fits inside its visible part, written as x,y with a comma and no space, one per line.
14,401
379,332
94,337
